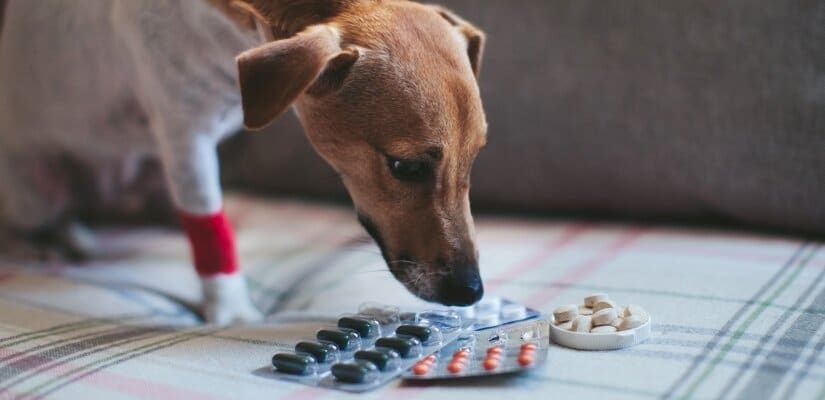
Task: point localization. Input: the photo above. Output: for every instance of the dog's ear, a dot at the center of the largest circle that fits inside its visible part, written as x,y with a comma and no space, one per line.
259,21
475,37
273,75
279,18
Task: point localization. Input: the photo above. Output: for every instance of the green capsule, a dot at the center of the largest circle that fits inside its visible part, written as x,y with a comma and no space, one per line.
321,352
421,333
344,340
356,372
380,358
402,346
360,325
294,364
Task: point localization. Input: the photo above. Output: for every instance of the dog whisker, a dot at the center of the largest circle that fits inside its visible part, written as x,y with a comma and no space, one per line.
375,270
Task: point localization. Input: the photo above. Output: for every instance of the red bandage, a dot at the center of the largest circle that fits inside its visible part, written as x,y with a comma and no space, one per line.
213,243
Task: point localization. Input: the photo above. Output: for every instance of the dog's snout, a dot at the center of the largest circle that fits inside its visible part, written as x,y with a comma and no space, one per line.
462,287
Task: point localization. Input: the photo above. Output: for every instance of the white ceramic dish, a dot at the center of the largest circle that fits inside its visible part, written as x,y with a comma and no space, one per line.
599,341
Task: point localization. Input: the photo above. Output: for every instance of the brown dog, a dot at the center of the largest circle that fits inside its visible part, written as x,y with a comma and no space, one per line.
386,91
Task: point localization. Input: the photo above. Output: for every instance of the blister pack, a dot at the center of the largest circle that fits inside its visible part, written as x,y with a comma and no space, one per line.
511,348
365,350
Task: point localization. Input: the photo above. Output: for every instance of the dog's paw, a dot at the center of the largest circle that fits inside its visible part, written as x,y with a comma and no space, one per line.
230,314
226,300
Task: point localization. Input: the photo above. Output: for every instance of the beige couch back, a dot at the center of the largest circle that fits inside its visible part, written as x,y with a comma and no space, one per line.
632,108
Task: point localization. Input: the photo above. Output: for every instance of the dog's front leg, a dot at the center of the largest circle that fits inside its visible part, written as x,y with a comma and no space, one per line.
191,166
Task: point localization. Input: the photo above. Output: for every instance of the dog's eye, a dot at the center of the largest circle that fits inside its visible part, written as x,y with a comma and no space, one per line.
410,171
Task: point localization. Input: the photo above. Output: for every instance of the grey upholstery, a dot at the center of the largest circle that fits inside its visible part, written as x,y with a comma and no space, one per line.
633,108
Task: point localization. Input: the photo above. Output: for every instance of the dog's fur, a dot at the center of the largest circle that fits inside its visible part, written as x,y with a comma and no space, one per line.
373,82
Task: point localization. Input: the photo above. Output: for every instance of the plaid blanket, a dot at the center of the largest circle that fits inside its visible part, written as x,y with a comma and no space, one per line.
736,315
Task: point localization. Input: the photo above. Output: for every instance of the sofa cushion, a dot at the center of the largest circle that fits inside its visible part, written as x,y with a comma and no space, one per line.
733,313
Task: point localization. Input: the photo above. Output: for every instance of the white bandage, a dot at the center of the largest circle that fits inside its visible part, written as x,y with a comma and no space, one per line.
226,300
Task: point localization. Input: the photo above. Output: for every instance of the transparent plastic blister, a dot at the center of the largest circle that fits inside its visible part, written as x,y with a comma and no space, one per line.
367,349
505,349
494,311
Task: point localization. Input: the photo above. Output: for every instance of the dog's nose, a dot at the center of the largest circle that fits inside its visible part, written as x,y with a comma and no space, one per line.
462,288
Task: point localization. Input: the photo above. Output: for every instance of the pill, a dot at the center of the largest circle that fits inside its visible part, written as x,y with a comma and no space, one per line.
490,364
529,346
566,325
602,304
380,358
462,361
293,364
593,298
585,310
321,352
356,372
495,356
566,313
631,322
461,353
421,333
344,340
403,346
525,359
636,310
421,369
455,367
364,327
582,323
603,329
431,358
512,312
495,350
605,316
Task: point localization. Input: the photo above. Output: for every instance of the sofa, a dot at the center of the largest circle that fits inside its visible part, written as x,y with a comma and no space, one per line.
735,314
668,153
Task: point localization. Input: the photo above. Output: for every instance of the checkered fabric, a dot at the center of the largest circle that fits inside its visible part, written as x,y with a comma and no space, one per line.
736,315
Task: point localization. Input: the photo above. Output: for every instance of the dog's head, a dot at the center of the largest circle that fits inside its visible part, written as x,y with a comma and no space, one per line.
387,93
